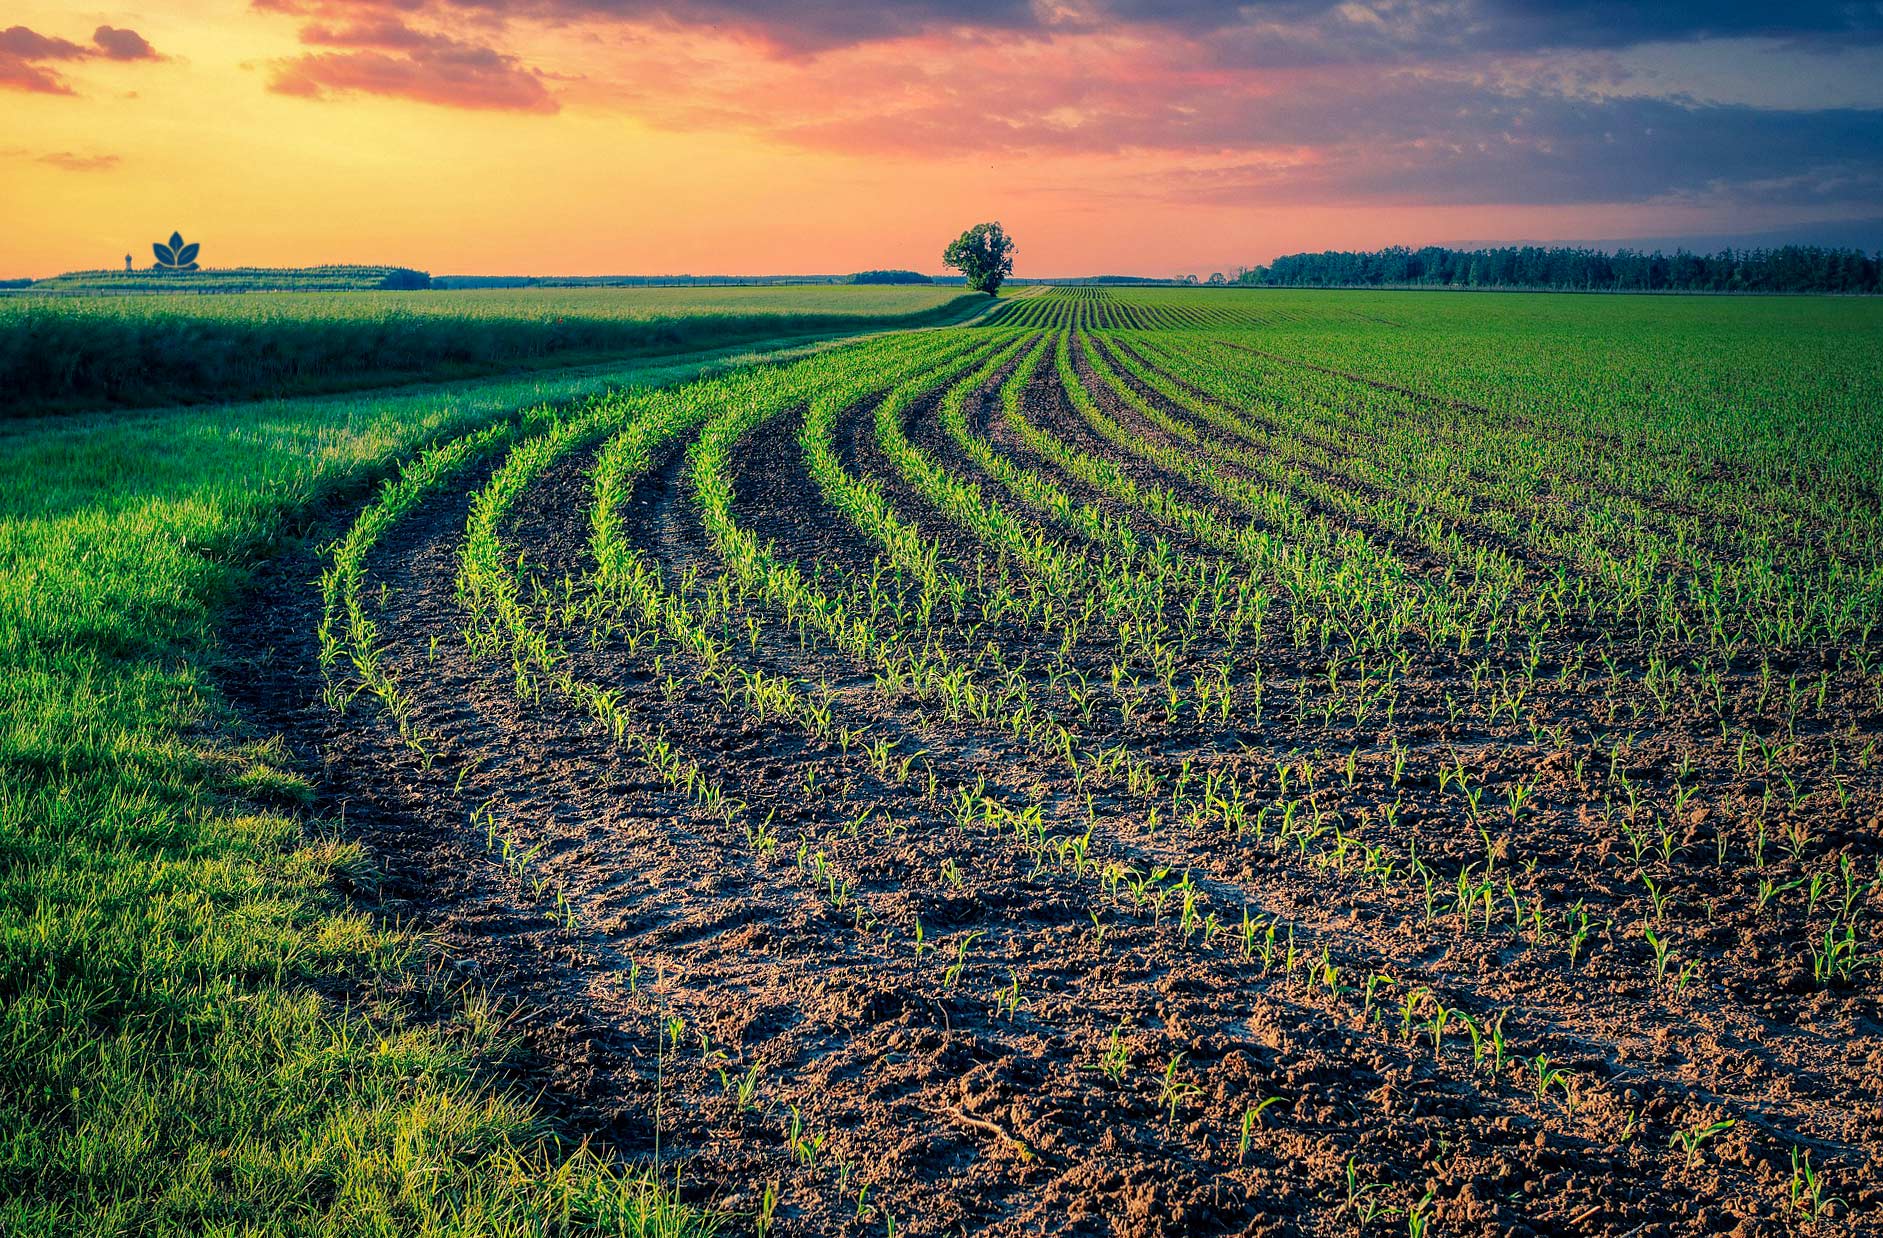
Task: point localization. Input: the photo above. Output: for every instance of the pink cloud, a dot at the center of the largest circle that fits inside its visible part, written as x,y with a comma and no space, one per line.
1201,102
17,74
70,161
31,45
24,51
118,44
1084,93
383,33
443,72
378,51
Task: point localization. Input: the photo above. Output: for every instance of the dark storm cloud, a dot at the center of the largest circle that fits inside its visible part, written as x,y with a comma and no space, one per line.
819,23
1621,23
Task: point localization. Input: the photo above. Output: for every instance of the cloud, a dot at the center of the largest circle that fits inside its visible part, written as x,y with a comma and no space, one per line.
1621,23
1410,32
17,74
1270,101
389,58
1430,142
26,44
382,33
118,44
784,26
1163,112
72,162
23,53
1268,31
375,51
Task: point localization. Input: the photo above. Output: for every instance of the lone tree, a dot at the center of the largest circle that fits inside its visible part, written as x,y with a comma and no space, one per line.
984,253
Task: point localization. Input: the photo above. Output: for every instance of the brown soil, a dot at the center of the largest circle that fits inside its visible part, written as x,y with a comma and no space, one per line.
1110,1097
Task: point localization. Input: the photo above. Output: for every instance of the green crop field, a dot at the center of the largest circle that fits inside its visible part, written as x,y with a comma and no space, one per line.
1165,761
607,304
76,352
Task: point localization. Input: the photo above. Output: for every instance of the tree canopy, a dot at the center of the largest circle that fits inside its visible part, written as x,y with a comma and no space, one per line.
984,254
1788,268
890,277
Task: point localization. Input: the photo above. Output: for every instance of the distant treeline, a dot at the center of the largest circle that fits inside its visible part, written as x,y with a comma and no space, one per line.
1788,268
891,277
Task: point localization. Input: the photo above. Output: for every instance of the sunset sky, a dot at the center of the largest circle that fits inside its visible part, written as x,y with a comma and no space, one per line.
612,136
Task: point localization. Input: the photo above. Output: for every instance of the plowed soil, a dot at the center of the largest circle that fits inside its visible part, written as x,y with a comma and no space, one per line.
1087,1069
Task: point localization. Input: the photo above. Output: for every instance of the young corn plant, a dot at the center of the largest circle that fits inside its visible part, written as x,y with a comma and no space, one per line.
1691,1140
1175,1089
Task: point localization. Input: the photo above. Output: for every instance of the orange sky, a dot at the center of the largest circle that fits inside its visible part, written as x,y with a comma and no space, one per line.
558,138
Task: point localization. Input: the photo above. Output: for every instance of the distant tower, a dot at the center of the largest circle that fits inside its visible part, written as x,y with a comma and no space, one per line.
127,263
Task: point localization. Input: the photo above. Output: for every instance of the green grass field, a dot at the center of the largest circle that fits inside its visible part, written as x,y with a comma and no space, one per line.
1618,561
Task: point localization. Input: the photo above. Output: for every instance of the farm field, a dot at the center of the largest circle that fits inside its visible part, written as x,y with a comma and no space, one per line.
204,1032
1149,762
60,353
